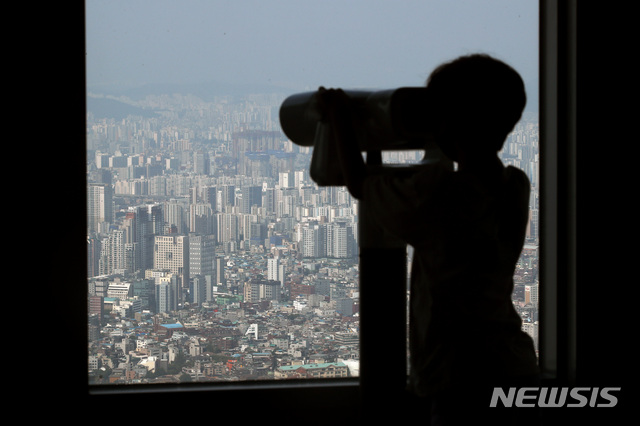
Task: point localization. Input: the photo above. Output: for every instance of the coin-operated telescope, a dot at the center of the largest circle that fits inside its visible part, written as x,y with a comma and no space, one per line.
393,119
382,120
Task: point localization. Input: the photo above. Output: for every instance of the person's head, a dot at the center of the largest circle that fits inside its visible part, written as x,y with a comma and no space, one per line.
475,101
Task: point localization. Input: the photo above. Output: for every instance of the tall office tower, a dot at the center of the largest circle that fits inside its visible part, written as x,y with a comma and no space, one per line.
201,163
99,207
202,252
171,252
156,218
112,254
132,257
146,221
227,227
132,247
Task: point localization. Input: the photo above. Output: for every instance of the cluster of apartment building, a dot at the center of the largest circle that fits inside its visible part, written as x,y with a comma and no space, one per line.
213,256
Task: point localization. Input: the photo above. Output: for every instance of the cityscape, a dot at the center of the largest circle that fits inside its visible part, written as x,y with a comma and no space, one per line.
212,256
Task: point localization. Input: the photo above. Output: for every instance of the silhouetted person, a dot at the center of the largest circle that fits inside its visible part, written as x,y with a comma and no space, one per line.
467,227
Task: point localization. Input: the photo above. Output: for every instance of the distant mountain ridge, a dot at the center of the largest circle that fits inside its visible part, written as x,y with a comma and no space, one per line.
112,108
106,107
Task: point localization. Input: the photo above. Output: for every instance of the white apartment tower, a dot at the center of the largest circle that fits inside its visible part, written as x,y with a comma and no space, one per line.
171,252
275,270
112,253
227,227
99,207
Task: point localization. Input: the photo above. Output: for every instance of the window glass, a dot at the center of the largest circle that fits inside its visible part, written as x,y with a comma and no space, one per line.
212,255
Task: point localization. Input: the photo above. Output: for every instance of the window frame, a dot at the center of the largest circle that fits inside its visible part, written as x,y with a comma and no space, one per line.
558,66
557,253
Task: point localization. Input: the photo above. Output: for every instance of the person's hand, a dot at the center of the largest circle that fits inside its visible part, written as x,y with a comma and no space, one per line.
333,104
336,111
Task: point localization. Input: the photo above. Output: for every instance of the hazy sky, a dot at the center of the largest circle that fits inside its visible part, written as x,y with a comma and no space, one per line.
301,43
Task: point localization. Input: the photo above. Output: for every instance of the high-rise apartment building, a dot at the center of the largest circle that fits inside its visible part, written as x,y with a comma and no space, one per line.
226,197
99,207
340,240
275,270
112,253
286,179
310,243
201,163
201,219
251,196
142,224
334,240
175,216
209,196
226,227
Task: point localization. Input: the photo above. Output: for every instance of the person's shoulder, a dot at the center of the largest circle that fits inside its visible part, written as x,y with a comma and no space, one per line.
517,181
516,175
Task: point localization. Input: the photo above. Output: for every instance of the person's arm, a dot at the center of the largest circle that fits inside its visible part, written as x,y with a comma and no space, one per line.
337,109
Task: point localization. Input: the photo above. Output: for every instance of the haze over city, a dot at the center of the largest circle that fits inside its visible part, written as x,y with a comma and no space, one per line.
300,45
212,254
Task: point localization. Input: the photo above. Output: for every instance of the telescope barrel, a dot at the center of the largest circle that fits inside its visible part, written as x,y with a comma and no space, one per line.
393,119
